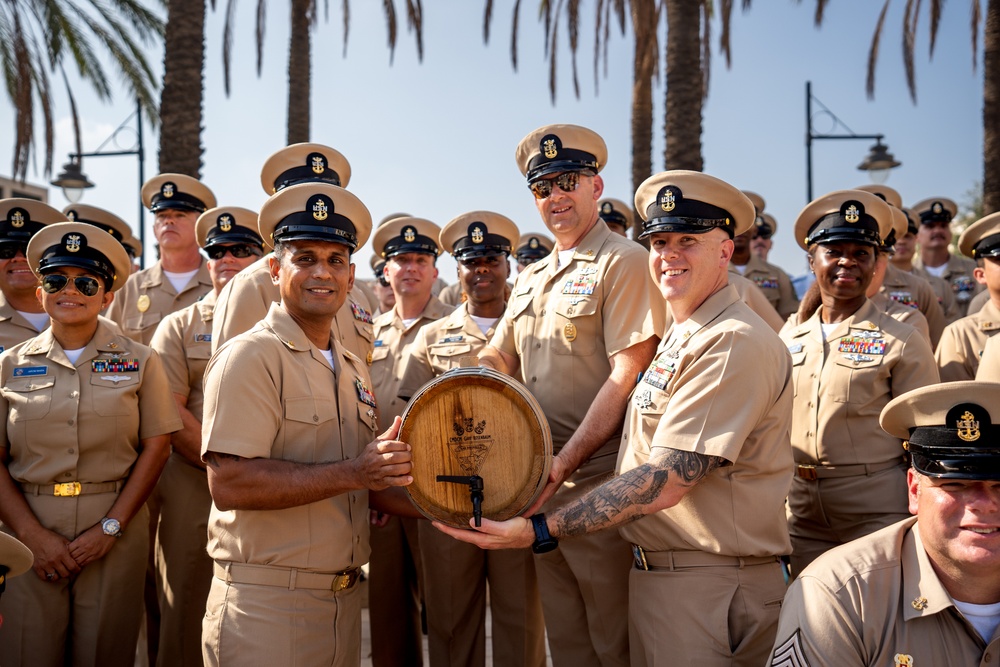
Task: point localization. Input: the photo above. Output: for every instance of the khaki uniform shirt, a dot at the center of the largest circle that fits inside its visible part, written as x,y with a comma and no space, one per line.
841,385
148,296
901,313
989,365
393,344
14,328
694,398
915,291
772,281
876,601
963,342
752,296
269,393
958,275
978,301
245,300
564,324
184,343
81,422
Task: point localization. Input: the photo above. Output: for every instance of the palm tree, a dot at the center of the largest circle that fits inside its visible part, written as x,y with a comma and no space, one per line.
183,88
39,36
303,21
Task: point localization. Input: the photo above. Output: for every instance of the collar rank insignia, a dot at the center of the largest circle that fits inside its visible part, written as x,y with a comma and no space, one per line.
361,314
114,366
643,399
659,373
862,345
902,660
919,603
365,394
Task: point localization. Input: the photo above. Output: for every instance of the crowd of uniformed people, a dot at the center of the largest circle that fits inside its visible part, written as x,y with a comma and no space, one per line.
205,453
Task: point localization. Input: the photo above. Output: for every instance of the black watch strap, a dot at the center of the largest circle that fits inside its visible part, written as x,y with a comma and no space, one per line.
544,542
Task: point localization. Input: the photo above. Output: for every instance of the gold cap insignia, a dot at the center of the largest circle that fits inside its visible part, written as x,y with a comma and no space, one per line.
477,235
409,234
318,164
968,427
319,210
73,243
549,148
17,219
902,660
937,208
667,201
919,603
71,215
533,243
225,222
167,190
607,208
852,214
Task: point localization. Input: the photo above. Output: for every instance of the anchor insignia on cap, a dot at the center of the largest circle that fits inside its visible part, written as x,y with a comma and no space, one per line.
409,234
167,190
667,201
71,216
225,222
73,245
968,427
320,210
318,166
937,207
17,219
607,208
852,214
549,148
477,235
533,243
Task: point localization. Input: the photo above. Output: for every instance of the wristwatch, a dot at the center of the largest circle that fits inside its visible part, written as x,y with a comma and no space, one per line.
111,527
544,542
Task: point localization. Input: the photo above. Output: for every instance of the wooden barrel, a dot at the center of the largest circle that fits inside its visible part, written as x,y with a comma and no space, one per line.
476,421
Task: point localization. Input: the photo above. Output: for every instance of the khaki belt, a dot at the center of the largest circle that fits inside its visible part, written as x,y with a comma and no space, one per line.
812,473
70,489
679,560
286,577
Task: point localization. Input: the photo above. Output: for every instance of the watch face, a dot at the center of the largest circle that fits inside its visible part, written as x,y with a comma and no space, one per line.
111,527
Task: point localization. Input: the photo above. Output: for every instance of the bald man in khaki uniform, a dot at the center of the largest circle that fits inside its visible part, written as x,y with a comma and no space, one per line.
923,591
934,236
176,201
245,300
704,465
289,438
962,345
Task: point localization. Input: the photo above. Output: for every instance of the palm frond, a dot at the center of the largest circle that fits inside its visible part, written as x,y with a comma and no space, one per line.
346,22
415,23
820,8
487,19
573,25
936,6
227,45
911,16
706,47
513,34
390,21
260,28
873,51
724,40
976,17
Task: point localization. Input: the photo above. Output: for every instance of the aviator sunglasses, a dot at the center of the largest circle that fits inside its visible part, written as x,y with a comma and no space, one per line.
238,250
567,182
85,285
10,250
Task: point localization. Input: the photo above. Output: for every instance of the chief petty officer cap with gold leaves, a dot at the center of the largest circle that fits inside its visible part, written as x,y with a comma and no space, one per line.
304,163
553,149
981,238
691,202
100,218
615,212
83,246
533,246
934,209
952,429
315,212
479,234
177,191
227,224
844,215
397,236
20,219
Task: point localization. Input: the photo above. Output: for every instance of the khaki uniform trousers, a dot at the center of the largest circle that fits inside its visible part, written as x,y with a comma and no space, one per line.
704,616
827,512
455,580
394,595
253,624
584,585
91,619
184,569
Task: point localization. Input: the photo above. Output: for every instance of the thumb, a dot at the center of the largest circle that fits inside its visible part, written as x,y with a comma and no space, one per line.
392,433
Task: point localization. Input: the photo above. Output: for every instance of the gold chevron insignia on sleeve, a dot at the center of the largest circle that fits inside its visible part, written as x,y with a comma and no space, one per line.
789,653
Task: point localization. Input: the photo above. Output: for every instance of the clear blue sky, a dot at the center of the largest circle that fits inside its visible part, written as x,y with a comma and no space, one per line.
437,139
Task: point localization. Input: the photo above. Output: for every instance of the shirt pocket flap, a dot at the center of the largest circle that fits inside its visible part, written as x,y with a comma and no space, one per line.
380,352
308,410
584,307
368,416
28,384
114,380
142,321
450,349
519,303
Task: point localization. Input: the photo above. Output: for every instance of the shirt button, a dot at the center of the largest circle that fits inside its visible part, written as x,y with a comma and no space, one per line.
534,379
538,346
72,451
69,474
543,311
70,422
74,394
315,418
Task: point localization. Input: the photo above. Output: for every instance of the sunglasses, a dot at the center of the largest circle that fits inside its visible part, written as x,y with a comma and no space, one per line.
761,234
568,181
85,285
238,250
10,250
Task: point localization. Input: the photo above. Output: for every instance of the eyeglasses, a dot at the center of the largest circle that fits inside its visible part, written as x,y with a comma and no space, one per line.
10,250
761,234
237,250
85,285
567,181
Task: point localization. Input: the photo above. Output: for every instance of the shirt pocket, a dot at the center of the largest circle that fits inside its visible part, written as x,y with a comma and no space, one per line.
365,331
368,416
303,441
114,394
380,352
798,368
856,381
29,398
447,354
576,326
519,304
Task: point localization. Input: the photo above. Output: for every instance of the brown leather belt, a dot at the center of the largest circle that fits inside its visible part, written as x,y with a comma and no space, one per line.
70,489
812,473
679,560
286,577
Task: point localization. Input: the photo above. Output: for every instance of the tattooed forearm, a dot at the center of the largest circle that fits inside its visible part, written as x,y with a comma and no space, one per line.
214,459
690,467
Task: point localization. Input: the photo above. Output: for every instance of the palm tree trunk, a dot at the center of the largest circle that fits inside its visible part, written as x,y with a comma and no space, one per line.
183,83
991,109
299,64
644,27
685,86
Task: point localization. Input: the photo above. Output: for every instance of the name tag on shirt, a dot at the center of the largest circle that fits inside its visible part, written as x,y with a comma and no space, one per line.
28,371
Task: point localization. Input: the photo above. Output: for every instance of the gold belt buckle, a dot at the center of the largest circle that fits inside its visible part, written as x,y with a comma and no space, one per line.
346,580
67,489
639,558
807,472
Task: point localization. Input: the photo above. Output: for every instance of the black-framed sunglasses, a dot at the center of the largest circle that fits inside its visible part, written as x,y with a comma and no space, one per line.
10,250
568,181
237,250
762,234
85,285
